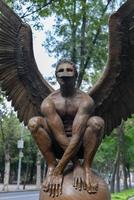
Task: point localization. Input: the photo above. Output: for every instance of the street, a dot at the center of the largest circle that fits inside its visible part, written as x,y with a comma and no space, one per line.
28,195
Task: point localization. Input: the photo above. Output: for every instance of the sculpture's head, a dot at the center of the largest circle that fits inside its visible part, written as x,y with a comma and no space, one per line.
66,72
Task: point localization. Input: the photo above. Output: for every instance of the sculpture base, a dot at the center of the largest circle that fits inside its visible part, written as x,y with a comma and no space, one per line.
70,193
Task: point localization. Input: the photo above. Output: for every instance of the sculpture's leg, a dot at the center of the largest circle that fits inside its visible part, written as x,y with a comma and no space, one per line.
92,139
40,132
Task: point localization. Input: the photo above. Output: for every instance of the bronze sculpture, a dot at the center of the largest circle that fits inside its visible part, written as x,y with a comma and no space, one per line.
68,124
68,116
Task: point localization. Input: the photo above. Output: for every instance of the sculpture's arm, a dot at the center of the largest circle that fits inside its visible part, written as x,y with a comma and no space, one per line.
55,123
78,129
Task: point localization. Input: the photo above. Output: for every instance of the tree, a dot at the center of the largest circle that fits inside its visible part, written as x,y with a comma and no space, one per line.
105,156
81,34
28,174
38,169
8,135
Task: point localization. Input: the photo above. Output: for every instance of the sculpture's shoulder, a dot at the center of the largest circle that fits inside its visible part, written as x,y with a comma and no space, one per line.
84,97
49,101
52,96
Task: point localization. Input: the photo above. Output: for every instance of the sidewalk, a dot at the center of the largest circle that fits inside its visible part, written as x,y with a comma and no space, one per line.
13,187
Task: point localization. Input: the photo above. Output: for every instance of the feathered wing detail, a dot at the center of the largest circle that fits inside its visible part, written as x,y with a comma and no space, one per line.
19,75
114,92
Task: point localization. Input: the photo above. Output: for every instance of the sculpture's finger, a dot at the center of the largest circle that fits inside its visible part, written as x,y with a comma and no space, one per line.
46,187
89,190
95,188
53,190
50,189
74,182
84,185
82,180
79,184
57,190
60,188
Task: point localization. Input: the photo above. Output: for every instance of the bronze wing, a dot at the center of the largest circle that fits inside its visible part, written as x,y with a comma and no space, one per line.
19,75
114,92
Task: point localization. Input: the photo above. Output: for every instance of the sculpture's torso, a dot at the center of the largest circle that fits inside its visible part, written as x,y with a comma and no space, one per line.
67,107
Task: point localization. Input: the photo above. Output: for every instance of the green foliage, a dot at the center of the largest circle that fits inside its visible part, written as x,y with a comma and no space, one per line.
124,195
129,139
105,156
8,124
10,127
30,148
10,132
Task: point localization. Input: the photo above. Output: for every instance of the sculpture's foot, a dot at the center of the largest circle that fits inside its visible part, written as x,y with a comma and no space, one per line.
90,181
52,183
78,178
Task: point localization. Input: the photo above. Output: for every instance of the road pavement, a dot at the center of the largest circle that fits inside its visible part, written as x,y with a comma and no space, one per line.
27,195
13,187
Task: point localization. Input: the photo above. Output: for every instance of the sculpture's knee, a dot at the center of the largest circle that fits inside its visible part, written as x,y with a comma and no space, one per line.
34,123
96,124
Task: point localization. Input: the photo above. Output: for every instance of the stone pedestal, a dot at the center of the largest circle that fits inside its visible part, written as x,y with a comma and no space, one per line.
70,193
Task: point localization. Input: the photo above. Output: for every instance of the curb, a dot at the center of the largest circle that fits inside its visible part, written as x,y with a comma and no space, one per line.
20,190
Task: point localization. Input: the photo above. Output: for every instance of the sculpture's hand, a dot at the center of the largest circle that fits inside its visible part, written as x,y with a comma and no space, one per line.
55,188
53,183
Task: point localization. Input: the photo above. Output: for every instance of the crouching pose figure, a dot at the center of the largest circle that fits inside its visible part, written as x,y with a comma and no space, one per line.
67,132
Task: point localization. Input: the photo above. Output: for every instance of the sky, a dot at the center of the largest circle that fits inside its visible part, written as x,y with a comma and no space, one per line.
43,60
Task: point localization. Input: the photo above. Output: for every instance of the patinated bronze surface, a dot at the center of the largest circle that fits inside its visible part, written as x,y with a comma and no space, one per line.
68,124
70,193
68,131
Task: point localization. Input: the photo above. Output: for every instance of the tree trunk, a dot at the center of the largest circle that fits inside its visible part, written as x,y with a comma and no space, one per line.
44,170
7,170
38,170
25,177
112,184
118,175
94,41
129,176
74,29
83,42
32,171
125,185
123,153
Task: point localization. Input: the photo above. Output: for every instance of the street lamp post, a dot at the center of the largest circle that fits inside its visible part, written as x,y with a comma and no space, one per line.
20,145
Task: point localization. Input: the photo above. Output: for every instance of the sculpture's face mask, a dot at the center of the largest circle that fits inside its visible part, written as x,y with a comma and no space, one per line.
65,74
